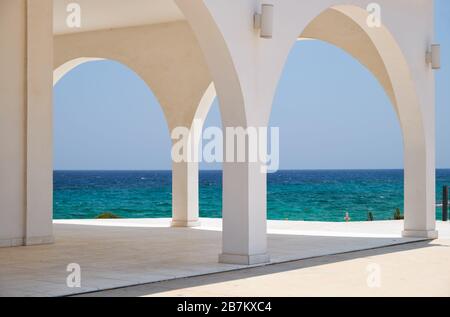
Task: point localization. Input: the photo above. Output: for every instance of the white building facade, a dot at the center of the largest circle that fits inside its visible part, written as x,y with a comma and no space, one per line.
189,51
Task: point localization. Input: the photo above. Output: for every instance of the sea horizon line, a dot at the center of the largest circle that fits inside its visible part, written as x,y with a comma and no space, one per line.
219,170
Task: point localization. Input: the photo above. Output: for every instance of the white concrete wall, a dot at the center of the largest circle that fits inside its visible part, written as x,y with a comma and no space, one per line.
26,122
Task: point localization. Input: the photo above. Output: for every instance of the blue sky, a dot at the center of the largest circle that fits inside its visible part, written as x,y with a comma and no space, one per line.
105,116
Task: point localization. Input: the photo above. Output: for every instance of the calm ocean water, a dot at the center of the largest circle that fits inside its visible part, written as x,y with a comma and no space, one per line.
293,195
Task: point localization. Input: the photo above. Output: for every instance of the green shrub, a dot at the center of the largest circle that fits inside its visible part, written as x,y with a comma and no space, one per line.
398,215
107,215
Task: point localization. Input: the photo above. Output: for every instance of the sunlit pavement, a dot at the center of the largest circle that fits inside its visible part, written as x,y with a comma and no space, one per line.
419,269
119,253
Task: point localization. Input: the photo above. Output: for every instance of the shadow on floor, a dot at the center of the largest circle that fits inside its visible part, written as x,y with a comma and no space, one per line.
245,273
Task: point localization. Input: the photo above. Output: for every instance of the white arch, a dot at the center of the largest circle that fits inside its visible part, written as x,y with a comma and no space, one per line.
65,68
246,70
205,104
185,189
168,58
345,26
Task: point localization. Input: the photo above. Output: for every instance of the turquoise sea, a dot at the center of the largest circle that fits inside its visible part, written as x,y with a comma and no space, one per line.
294,195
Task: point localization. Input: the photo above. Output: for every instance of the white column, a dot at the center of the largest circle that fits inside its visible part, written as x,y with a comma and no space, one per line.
420,185
244,214
225,47
185,175
26,43
185,198
420,159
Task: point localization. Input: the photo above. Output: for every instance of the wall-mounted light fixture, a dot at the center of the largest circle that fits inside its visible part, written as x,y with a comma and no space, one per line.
434,56
264,21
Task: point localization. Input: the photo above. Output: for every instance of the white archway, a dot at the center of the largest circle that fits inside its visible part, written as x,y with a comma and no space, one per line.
185,210
175,71
345,26
246,70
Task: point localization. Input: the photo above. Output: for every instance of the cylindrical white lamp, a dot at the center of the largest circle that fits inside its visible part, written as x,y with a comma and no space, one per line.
264,21
434,56
267,21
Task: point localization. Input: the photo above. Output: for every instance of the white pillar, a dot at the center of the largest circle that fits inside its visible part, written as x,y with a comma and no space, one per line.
420,208
185,175
185,211
244,214
420,180
244,186
26,43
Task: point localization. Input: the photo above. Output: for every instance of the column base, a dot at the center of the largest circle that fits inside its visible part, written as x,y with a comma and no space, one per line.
427,234
9,243
39,240
20,242
244,259
185,224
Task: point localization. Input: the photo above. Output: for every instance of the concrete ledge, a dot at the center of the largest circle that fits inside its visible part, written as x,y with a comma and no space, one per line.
428,234
244,259
185,224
